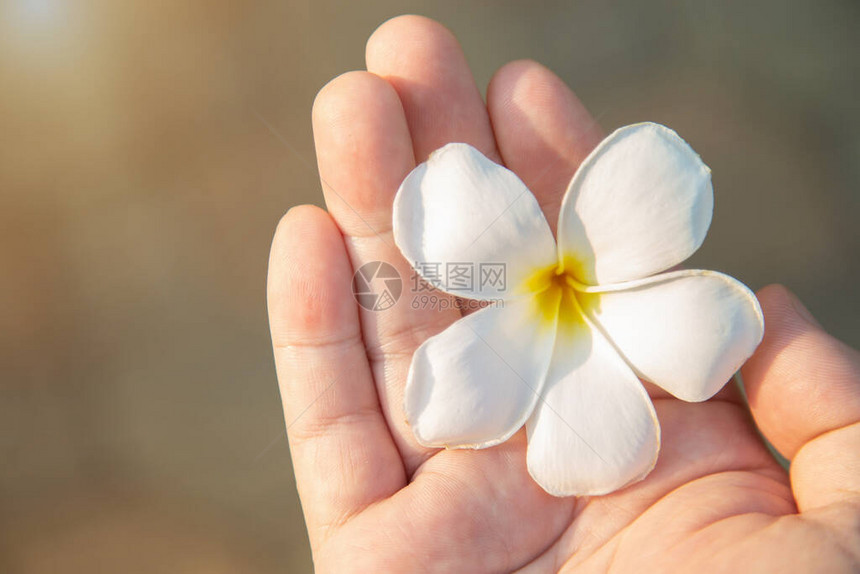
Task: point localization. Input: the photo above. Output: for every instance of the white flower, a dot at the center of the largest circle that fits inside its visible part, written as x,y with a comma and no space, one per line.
583,319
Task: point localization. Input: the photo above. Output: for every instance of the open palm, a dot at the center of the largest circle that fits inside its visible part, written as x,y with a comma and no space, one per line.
377,501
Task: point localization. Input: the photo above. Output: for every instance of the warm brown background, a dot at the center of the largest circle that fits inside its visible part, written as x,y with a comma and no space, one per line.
139,413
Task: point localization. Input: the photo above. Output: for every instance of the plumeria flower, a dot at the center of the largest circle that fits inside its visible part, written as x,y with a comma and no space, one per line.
583,319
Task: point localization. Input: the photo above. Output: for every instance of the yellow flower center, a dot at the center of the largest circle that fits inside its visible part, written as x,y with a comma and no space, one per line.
557,297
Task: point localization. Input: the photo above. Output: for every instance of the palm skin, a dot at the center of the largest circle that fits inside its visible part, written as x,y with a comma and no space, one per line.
376,501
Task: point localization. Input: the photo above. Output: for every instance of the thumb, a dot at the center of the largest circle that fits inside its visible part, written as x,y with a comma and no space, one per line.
803,387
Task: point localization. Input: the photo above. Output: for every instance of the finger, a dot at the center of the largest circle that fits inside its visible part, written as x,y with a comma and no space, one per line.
827,469
425,64
364,151
343,455
804,392
440,103
801,382
543,131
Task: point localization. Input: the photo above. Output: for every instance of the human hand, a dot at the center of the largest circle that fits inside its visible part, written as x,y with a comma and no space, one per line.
376,501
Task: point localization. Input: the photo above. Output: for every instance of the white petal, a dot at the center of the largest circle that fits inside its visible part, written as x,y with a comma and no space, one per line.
686,331
476,383
594,430
639,204
461,208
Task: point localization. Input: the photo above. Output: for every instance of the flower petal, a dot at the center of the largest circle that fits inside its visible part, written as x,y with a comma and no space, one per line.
476,383
460,208
595,429
639,204
686,331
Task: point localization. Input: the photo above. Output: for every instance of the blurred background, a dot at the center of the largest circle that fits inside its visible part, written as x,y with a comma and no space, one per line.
140,423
